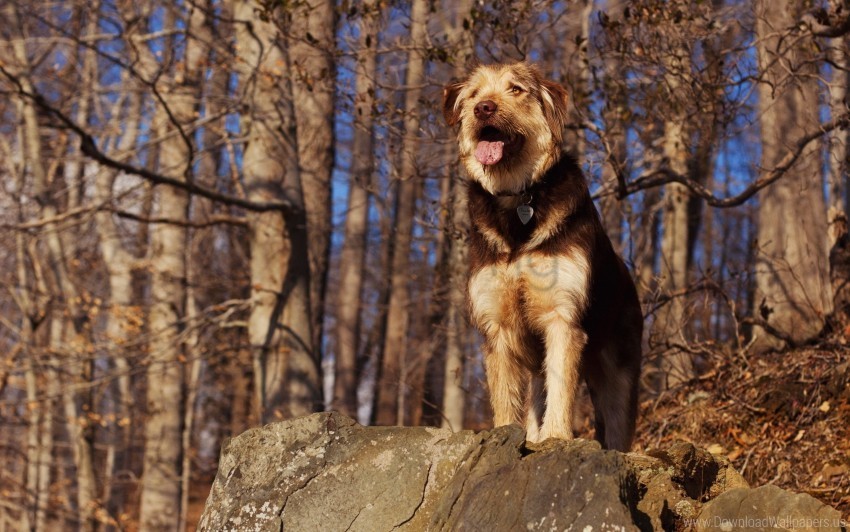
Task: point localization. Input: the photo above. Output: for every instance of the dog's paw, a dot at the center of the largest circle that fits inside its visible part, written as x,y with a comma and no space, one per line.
561,433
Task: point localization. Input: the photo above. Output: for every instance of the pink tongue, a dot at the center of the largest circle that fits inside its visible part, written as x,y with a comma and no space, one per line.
489,152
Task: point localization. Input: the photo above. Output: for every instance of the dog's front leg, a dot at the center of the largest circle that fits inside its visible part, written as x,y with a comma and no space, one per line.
564,345
506,379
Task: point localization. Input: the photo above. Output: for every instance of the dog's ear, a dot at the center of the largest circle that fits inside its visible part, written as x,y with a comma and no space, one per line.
555,106
450,107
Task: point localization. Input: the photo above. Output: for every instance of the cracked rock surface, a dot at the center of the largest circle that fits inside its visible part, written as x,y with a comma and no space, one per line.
325,472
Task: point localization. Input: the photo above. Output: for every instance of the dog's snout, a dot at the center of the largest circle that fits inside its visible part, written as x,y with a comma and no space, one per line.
485,109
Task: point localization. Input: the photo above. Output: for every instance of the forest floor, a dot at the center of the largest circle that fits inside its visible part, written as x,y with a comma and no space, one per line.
781,418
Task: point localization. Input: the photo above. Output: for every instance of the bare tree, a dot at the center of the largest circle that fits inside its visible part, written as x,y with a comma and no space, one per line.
65,329
395,344
839,167
614,122
456,326
279,327
165,207
352,256
311,38
676,366
162,482
792,289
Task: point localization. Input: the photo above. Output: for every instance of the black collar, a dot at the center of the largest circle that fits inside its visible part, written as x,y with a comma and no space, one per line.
523,195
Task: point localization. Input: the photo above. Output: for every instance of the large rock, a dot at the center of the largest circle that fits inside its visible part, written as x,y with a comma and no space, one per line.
768,508
556,486
325,472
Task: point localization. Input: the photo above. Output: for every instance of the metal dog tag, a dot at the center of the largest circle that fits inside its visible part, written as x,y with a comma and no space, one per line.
525,212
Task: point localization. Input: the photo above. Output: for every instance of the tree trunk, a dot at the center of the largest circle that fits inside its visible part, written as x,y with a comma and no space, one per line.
121,312
839,139
668,328
675,365
839,192
287,375
39,444
311,52
160,499
39,418
792,286
647,243
353,253
614,141
390,383
163,457
575,72
59,336
454,392
455,323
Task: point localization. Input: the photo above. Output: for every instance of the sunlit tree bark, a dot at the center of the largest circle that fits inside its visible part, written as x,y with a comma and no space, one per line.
311,52
838,156
279,328
456,326
162,482
792,288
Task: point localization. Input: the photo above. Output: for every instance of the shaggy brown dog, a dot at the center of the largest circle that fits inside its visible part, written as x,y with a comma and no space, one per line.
547,291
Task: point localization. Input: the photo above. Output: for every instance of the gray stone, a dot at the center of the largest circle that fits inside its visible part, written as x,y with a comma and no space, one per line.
325,472
555,486
767,508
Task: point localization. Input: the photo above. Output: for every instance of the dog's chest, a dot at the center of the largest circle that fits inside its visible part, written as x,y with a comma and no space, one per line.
532,290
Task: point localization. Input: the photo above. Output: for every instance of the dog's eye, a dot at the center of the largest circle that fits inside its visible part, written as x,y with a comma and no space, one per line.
516,89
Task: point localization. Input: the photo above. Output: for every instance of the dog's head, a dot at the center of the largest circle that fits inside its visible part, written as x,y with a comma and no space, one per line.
511,123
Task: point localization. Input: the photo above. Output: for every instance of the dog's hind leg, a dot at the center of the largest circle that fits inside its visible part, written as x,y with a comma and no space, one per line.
614,392
535,405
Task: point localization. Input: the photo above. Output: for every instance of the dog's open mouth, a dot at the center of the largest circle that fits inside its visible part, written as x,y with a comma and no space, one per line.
492,145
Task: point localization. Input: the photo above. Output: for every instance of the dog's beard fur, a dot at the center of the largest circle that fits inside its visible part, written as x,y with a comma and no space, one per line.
531,110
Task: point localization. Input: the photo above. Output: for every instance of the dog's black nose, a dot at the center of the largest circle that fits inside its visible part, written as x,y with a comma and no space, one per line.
485,109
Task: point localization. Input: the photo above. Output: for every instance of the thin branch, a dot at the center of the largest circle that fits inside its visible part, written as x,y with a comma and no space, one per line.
89,148
207,222
773,331
664,175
